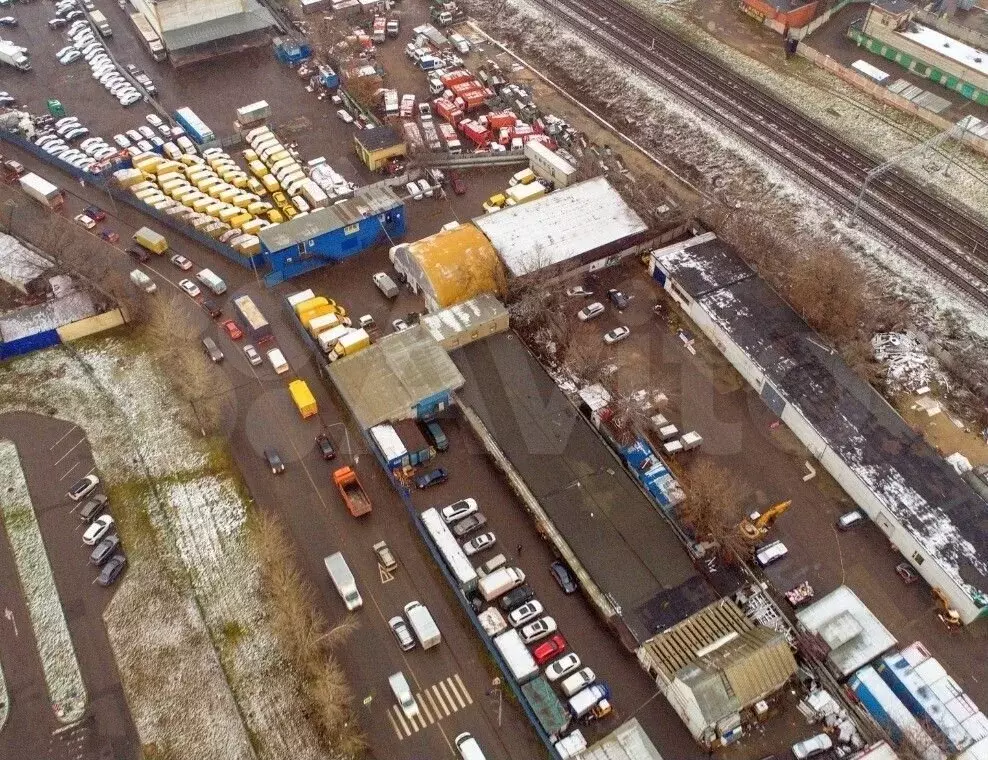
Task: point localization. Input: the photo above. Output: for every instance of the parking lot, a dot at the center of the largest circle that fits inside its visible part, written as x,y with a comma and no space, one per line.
54,455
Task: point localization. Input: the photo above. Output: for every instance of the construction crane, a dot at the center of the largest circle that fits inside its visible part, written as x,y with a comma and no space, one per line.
756,525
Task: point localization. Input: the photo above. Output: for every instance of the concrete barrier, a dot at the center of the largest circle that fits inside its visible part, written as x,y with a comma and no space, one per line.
91,325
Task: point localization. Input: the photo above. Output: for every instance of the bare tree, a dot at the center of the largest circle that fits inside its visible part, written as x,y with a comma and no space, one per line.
711,508
585,356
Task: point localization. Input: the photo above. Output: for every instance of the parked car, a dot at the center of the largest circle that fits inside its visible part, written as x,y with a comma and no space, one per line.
211,308
549,649
564,577
619,299
459,509
274,461
385,558
191,289
8,21
457,183
811,747
83,488
528,611
414,191
538,630
112,570
99,528
579,290
181,262
590,312
468,524
104,550
93,508
400,630
232,329
562,667
616,335
95,213
212,350
770,553
85,221
849,519
399,325
139,254
479,543
432,478
516,597
325,446
252,356
110,236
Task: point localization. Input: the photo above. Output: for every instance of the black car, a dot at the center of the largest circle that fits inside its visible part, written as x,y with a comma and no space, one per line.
326,446
211,308
93,508
433,478
104,550
274,461
139,254
111,570
564,577
516,598
619,299
468,524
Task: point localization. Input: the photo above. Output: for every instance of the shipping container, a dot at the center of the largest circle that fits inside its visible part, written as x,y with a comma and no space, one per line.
889,712
255,112
549,165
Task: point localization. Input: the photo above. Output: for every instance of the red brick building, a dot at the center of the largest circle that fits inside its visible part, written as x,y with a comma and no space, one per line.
789,13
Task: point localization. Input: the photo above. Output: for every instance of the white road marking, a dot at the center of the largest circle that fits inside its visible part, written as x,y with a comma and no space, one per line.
452,704
401,719
70,450
463,689
50,448
432,701
424,707
69,471
394,725
439,697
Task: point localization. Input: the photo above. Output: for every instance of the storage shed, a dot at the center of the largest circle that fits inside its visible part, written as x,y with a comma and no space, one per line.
377,146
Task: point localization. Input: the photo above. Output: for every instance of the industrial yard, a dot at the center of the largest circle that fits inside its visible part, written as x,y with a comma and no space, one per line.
508,380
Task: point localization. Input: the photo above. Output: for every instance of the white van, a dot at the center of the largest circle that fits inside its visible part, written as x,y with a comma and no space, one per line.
468,748
211,281
278,361
142,281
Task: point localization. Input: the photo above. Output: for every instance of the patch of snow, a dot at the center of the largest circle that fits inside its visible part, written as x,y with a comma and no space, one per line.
907,364
65,687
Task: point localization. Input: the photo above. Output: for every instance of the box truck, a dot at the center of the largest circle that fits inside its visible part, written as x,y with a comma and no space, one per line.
422,624
305,402
500,582
43,191
211,281
148,238
344,581
516,656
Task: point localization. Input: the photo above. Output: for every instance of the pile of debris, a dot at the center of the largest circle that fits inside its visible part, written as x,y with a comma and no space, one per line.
908,366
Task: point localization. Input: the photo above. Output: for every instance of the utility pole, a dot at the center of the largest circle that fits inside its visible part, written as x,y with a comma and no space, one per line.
956,132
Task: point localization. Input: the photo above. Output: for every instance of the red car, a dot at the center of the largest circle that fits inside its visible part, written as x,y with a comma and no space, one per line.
232,330
547,650
459,186
110,236
95,213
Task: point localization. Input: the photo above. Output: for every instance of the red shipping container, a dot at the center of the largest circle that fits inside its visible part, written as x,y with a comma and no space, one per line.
475,133
498,119
455,77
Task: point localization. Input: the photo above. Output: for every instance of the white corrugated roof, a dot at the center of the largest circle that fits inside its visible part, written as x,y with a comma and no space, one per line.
562,225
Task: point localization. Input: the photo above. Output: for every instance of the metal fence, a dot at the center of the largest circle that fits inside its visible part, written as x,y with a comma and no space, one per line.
103,182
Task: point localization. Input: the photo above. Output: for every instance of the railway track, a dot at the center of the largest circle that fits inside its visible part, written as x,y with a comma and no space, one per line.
942,238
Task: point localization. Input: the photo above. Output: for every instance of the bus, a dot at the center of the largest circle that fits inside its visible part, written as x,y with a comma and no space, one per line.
456,559
195,126
149,37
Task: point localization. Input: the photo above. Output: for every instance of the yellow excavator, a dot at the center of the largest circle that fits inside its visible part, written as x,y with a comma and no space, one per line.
756,525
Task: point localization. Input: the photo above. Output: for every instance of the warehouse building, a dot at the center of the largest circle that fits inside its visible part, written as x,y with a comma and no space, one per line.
329,235
196,30
377,146
915,497
450,267
466,322
715,666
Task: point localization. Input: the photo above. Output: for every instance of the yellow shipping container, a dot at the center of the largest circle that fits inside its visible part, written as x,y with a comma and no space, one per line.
250,155
127,177
171,183
148,165
200,204
165,167
243,200
290,212
310,303
217,190
214,208
305,402
190,160
228,213
258,208
239,221
190,199
198,174
209,182
146,192
249,245
142,186
256,187
238,180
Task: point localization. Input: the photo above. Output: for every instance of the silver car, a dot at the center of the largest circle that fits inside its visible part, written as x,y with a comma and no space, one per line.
402,635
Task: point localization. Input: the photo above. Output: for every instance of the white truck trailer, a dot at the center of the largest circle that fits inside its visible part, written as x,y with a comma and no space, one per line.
422,624
516,655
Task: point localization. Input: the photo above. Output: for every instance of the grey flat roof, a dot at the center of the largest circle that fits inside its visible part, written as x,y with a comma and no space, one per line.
905,474
559,226
463,317
366,201
627,742
382,382
617,534
255,18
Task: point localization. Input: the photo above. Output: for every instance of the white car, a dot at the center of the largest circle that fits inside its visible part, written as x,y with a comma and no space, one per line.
528,611
70,57
459,509
84,220
538,630
95,532
579,290
122,140
83,488
153,119
425,187
145,130
414,191
130,98
64,50
812,746
589,312
343,116
479,543
190,288
181,262
616,335
252,356
134,135
563,666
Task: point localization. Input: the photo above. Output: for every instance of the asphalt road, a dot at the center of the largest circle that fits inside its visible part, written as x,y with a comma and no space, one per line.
54,455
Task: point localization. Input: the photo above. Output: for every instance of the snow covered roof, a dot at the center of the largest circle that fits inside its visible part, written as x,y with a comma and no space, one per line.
19,265
902,471
48,316
466,317
253,18
627,742
855,635
386,381
560,226
948,47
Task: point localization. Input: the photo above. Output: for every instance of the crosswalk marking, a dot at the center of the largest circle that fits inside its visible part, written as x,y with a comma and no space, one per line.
463,689
435,702
456,693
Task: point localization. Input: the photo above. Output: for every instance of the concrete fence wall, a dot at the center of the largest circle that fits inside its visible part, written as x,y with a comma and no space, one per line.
875,90
91,325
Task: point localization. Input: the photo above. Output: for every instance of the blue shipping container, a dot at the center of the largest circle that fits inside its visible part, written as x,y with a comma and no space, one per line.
889,712
195,126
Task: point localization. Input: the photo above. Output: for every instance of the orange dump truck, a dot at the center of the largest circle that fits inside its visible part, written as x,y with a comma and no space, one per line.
352,492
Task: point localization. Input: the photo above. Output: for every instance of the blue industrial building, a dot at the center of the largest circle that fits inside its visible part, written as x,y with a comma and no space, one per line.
329,235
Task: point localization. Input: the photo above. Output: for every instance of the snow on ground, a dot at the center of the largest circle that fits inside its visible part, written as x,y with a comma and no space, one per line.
743,177
199,664
65,687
